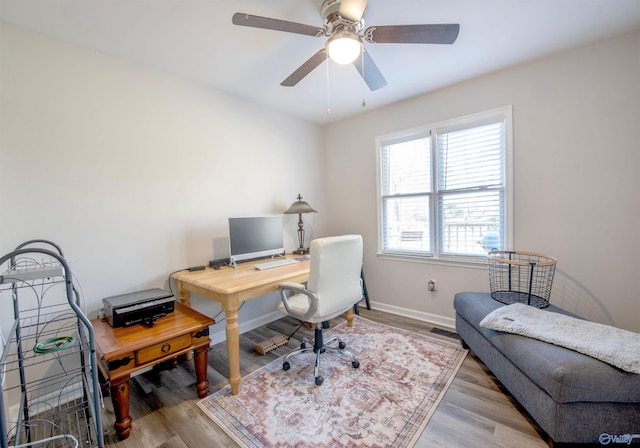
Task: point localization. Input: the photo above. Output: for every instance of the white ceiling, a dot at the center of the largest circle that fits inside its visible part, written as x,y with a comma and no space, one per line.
195,39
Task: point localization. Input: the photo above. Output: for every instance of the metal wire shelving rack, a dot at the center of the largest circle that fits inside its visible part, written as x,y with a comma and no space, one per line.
49,388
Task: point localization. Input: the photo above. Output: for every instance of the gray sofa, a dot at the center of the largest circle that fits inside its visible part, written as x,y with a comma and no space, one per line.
573,397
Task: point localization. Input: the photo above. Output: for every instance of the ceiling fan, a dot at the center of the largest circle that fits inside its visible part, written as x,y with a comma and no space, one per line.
343,25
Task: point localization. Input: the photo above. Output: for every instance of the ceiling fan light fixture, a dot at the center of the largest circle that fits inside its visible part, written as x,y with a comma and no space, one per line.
344,47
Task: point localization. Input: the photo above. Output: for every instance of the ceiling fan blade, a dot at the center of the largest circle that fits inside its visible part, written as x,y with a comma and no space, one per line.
266,23
306,68
371,74
352,9
413,34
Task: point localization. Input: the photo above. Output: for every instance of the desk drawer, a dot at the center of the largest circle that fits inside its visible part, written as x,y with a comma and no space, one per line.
162,349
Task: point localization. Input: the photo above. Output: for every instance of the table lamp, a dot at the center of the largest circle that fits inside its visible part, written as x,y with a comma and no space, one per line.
299,207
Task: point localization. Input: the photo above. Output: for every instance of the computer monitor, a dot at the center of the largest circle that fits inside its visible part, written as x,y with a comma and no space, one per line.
254,238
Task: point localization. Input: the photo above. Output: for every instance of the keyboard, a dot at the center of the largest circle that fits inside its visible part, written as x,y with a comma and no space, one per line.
275,263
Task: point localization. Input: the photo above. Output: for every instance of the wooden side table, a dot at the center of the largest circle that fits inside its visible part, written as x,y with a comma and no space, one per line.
123,351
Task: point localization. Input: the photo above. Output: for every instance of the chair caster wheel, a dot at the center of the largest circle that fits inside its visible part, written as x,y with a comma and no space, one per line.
342,345
355,364
286,365
319,380
303,345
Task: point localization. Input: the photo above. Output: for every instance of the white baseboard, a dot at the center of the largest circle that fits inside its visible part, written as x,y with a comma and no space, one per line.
434,319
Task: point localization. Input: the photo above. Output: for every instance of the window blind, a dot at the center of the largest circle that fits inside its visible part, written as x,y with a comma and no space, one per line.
407,187
471,181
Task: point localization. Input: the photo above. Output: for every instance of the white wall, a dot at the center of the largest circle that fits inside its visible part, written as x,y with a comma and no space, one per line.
135,172
576,170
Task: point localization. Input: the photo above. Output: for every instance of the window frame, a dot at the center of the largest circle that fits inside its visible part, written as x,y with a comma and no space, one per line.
504,114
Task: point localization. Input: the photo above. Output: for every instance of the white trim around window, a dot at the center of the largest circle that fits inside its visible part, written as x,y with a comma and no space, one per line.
445,190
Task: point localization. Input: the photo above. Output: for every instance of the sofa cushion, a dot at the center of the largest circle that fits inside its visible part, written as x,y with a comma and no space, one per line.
567,376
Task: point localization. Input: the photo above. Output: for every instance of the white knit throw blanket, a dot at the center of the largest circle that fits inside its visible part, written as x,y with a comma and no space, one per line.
620,348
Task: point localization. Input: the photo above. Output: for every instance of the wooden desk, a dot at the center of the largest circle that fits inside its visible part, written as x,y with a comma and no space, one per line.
123,351
230,287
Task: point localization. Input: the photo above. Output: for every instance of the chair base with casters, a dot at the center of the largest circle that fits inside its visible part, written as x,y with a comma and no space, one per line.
320,347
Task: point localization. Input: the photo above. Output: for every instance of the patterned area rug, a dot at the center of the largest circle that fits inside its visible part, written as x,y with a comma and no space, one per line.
387,402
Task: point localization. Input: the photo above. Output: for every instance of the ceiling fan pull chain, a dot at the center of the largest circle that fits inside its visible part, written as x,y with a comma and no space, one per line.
328,88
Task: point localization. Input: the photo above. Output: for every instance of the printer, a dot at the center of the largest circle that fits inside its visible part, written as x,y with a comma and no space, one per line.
142,307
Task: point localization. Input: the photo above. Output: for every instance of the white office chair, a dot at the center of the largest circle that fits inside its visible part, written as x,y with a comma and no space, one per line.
334,286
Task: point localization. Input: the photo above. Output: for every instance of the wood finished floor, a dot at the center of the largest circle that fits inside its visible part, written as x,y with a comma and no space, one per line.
475,412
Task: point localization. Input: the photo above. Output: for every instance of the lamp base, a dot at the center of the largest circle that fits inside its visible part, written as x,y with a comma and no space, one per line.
301,251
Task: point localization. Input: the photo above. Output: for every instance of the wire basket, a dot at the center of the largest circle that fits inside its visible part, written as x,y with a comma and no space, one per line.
521,277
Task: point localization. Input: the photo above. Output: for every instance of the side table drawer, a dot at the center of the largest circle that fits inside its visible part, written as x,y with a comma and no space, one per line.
162,349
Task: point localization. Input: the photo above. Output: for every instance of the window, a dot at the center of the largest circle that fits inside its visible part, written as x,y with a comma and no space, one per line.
444,189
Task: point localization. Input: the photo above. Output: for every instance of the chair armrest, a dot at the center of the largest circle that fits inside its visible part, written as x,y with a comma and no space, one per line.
297,288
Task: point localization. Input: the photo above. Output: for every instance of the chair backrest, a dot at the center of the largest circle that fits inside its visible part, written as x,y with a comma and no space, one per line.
335,272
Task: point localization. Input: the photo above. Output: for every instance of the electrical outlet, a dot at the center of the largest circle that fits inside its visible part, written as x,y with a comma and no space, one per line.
432,285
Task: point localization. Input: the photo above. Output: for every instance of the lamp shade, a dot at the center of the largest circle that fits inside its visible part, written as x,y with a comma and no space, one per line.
299,207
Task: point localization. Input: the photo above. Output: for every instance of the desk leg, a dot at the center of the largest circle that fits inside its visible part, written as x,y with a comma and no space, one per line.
200,359
120,399
230,308
349,317
185,296
185,299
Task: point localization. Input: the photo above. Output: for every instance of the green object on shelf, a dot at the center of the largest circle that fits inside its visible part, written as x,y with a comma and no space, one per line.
53,344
